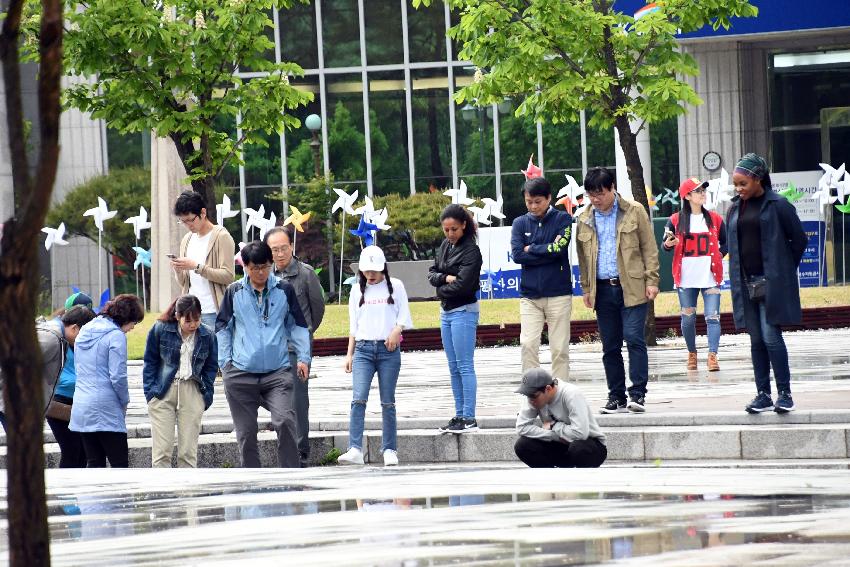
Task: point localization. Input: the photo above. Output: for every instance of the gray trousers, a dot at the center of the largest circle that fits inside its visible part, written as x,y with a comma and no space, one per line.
245,393
301,405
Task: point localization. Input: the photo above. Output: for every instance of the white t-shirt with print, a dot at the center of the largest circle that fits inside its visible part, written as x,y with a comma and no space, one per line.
696,259
375,319
199,286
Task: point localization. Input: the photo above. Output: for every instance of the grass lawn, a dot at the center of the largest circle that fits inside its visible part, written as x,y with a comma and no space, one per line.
426,314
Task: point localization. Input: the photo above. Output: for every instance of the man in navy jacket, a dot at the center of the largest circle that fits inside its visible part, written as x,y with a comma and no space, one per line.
540,242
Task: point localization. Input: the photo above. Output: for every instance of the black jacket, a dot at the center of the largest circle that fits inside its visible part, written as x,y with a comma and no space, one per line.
462,260
783,242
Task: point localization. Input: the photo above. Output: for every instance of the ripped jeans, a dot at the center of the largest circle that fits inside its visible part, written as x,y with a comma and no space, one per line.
371,357
688,302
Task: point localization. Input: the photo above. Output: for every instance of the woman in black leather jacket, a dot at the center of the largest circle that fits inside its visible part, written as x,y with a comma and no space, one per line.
456,275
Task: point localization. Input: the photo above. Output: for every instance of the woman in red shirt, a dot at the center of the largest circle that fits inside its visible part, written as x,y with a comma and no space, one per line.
698,239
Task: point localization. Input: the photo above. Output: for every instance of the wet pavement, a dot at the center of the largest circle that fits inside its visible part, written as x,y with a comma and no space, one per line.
820,368
458,515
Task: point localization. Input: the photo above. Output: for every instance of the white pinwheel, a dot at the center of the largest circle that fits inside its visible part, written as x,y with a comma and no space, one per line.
367,210
831,177
266,225
100,213
494,208
572,189
479,215
139,222
843,188
344,201
458,196
719,190
379,219
54,236
670,196
223,210
256,217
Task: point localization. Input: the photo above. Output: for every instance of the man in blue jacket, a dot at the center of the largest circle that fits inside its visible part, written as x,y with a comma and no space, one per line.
540,242
258,318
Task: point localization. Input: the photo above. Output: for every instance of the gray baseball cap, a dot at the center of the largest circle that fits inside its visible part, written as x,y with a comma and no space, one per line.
534,380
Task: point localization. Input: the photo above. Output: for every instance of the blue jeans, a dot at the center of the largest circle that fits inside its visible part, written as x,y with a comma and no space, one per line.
617,322
208,319
767,348
457,330
371,357
711,304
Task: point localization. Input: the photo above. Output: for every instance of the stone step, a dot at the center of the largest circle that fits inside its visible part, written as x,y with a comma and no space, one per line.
653,444
626,420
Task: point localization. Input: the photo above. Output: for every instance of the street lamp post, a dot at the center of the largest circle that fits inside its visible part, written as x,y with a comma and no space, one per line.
470,113
314,124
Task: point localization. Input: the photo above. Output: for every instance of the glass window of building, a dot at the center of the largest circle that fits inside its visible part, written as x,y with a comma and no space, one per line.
431,130
128,150
517,141
562,150
341,33
384,45
426,33
346,135
300,161
298,35
801,86
475,153
268,53
388,133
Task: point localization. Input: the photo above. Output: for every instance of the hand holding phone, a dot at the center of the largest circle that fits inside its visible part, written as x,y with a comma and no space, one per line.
171,256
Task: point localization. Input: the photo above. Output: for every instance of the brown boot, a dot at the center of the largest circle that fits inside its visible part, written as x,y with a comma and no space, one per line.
692,361
712,362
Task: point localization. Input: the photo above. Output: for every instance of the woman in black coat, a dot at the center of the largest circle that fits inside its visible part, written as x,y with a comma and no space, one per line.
456,275
766,242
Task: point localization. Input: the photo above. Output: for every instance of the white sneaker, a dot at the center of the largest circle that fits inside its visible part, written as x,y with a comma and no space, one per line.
390,458
353,456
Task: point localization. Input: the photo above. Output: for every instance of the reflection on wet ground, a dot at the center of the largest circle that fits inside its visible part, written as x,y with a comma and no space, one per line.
438,515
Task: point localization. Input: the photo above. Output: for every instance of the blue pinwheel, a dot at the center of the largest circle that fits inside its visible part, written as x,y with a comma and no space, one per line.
364,231
143,257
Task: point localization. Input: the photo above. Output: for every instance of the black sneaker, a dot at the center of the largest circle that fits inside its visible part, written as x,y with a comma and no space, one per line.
464,425
636,404
762,403
614,406
447,427
784,403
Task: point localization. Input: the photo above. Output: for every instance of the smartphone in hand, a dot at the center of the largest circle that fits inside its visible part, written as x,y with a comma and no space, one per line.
171,256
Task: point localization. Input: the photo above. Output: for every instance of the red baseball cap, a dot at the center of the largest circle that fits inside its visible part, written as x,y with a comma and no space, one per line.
689,185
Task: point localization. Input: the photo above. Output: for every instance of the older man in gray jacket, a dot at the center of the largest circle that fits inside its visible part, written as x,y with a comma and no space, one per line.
555,425
311,299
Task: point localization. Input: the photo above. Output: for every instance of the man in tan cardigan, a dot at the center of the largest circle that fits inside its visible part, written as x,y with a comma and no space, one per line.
204,266
618,260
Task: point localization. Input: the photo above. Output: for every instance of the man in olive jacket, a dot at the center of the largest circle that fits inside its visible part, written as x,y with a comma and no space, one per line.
618,259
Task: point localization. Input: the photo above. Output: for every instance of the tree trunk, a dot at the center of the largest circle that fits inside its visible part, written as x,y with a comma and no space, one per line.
628,142
19,349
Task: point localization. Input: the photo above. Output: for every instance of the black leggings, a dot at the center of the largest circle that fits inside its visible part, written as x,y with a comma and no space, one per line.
70,442
102,445
537,453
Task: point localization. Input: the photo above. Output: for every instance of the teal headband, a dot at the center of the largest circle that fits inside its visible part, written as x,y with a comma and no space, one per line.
752,165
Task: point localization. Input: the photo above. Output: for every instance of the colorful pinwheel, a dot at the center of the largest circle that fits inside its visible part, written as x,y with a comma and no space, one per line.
532,171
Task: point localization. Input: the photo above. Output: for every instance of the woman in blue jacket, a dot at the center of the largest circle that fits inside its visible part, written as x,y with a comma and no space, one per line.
766,243
101,395
181,360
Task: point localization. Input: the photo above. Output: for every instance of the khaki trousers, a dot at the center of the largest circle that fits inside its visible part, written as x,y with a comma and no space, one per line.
182,405
555,312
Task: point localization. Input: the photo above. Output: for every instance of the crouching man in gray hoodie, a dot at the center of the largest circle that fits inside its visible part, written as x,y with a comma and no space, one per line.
567,435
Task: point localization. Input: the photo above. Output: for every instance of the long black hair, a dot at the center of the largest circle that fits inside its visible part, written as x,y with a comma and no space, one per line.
362,279
461,215
684,226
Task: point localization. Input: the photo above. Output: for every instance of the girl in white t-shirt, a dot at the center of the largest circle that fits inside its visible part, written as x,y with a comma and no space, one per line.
697,237
378,313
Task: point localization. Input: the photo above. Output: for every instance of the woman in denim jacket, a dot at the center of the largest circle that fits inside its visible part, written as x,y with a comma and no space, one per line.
179,375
